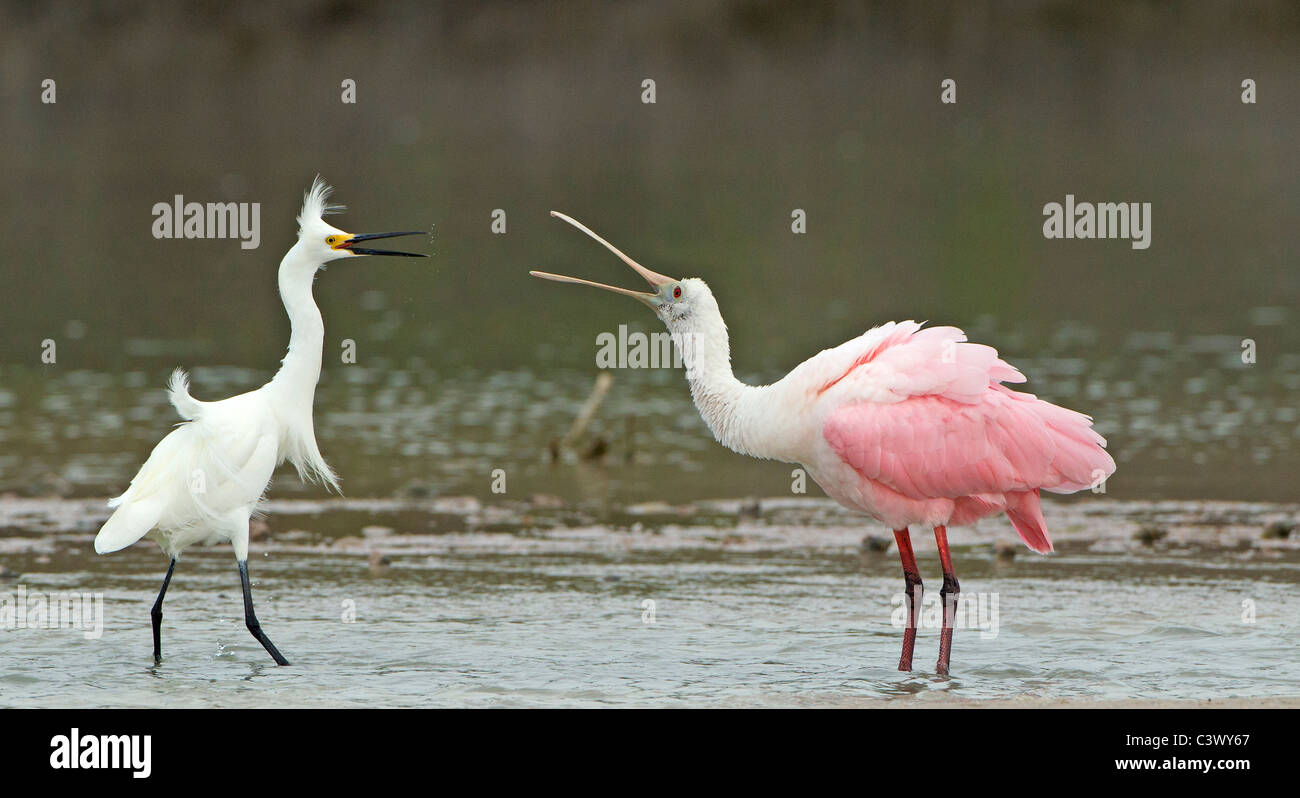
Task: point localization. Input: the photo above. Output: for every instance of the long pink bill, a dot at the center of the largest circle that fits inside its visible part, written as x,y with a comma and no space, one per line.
653,278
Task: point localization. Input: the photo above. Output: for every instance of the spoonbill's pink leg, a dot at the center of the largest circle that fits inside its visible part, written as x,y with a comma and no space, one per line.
912,578
948,593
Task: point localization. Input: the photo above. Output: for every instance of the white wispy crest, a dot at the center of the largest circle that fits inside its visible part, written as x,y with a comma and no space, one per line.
315,203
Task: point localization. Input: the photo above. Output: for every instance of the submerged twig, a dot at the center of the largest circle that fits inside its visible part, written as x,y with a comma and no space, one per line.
580,422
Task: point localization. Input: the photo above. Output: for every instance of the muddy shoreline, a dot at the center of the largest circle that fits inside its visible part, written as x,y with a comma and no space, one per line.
346,525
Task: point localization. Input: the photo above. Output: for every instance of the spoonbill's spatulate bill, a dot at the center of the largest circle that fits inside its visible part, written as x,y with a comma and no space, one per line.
909,425
202,482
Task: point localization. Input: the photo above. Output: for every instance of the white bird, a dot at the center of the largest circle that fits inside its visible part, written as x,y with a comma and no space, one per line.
203,482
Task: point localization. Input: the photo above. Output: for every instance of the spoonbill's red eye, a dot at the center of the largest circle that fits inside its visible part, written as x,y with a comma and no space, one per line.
677,292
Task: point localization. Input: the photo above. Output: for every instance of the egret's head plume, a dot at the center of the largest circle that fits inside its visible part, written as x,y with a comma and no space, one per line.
315,205
320,242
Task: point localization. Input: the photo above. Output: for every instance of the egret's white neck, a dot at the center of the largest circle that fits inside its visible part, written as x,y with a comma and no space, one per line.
732,410
300,369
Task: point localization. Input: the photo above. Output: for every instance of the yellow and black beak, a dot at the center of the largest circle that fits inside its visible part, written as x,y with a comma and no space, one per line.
349,242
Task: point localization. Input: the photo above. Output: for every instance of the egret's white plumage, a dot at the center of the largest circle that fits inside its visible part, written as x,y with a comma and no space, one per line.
204,480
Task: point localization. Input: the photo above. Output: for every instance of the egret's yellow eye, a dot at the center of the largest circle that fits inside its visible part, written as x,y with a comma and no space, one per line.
333,240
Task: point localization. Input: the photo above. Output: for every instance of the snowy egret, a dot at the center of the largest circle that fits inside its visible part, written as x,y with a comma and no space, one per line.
203,482
908,425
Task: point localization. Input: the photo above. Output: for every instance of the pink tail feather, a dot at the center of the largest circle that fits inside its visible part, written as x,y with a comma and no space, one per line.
1026,514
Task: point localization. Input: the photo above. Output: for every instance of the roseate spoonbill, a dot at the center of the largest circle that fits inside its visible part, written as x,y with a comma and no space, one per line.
909,425
202,482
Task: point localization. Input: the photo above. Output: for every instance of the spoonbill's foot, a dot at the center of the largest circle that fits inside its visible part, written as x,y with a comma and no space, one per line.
948,593
912,580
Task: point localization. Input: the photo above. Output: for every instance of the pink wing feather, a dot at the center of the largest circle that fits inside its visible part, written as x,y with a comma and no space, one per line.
954,432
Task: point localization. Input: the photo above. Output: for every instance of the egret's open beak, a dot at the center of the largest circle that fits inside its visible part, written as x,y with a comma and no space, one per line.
348,243
654,278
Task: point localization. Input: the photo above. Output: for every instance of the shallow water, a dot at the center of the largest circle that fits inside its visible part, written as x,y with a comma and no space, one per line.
787,608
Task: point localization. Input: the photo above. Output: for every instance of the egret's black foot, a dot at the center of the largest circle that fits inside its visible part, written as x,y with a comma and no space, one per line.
250,618
256,629
156,614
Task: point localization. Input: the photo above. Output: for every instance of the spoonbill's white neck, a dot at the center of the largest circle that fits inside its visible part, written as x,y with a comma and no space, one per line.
732,410
740,416
300,369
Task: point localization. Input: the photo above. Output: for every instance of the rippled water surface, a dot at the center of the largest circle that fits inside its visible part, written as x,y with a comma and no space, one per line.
458,603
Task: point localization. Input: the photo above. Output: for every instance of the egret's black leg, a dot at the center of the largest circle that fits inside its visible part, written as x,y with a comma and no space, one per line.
250,618
157,614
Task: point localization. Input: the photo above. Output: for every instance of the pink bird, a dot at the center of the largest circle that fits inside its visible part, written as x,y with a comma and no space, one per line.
908,425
